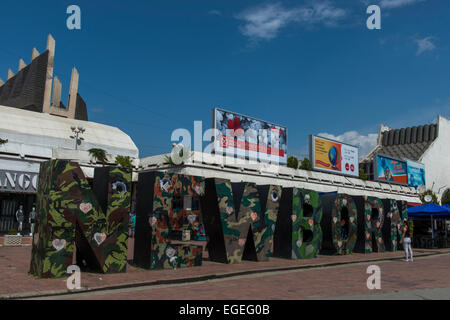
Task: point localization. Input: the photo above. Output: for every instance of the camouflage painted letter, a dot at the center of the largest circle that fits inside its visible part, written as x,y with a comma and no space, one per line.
370,224
161,218
339,224
69,213
298,234
395,217
239,220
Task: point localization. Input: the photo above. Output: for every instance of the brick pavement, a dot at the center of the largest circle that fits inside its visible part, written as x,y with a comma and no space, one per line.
14,266
398,278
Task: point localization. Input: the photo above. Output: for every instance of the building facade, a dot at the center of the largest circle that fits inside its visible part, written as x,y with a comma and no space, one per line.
428,144
36,126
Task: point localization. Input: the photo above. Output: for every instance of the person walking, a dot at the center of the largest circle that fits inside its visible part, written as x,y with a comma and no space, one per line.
406,241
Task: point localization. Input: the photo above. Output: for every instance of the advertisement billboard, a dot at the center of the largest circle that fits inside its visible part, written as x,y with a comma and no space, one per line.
332,156
390,169
249,138
416,174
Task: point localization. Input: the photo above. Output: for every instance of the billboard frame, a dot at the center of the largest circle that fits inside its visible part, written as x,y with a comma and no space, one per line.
375,169
407,171
311,156
213,138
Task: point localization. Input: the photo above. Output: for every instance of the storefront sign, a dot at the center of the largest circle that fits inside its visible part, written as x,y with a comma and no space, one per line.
332,156
17,181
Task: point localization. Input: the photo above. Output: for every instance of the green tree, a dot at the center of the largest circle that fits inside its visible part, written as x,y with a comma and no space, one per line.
292,162
99,155
306,164
363,175
434,197
124,161
446,197
3,141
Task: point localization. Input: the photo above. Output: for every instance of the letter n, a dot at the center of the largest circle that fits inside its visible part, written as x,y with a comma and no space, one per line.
70,213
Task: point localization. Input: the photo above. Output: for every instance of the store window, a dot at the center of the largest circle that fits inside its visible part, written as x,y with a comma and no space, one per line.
10,203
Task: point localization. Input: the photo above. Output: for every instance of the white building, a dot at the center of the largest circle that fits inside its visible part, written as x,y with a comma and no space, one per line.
38,127
35,137
428,144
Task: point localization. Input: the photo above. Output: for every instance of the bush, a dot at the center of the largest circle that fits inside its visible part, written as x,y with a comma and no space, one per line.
12,232
124,161
411,228
446,197
434,198
363,175
292,162
99,155
306,164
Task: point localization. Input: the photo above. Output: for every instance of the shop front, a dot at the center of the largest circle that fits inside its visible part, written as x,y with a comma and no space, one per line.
17,201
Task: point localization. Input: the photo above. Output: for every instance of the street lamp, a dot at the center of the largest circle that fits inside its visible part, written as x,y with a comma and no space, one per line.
77,131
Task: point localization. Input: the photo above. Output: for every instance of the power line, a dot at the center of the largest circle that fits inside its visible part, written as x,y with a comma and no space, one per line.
120,99
123,100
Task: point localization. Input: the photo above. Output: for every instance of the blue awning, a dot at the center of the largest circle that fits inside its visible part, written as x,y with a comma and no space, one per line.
428,211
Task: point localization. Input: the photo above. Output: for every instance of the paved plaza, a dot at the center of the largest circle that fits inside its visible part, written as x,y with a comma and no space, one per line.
320,278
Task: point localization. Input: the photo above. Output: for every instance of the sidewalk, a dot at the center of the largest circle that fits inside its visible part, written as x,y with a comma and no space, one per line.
15,282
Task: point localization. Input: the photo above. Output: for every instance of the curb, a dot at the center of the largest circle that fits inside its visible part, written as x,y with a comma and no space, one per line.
58,293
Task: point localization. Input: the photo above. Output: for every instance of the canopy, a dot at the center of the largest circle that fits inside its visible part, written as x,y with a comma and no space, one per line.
429,210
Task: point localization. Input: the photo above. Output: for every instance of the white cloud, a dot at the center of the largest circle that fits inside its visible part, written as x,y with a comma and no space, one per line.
424,45
365,143
215,12
264,22
391,4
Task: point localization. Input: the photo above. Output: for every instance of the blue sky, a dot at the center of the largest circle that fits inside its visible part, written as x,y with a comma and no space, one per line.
149,67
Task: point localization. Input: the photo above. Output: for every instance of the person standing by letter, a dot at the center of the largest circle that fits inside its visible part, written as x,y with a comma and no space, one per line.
406,241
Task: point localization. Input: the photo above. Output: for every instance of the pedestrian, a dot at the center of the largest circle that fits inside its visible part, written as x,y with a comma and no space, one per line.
132,224
406,241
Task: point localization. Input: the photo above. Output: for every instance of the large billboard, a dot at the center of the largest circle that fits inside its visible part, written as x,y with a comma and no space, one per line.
333,156
390,169
249,138
416,174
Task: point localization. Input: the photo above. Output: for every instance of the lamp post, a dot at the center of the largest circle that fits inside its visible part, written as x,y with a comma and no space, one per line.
77,131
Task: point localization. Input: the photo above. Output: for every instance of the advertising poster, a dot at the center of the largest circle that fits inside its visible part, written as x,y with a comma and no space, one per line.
390,169
332,156
416,174
249,138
